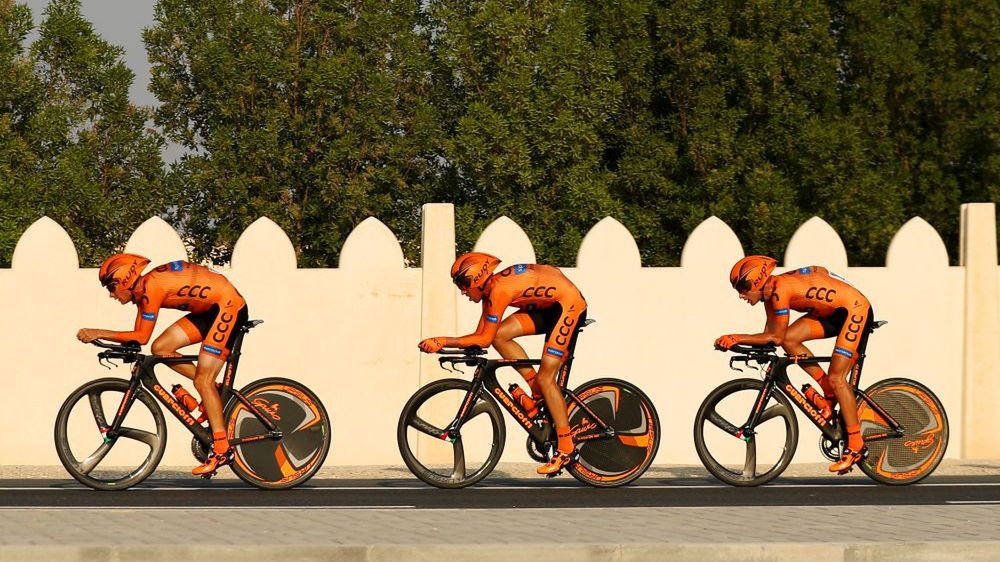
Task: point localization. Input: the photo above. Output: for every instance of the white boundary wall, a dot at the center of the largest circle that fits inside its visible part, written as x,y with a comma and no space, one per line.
350,333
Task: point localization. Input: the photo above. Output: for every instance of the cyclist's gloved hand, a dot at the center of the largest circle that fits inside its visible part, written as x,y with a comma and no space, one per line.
725,342
431,345
87,335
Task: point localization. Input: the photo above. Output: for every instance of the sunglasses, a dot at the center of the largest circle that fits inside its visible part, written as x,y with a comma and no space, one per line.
462,281
742,286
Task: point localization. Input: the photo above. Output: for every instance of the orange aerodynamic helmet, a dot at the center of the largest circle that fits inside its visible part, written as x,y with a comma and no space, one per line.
750,273
473,269
121,269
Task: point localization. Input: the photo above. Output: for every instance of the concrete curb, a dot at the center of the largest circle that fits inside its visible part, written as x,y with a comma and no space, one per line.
814,552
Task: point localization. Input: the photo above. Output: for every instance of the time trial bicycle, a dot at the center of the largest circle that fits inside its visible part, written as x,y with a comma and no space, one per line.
903,423
614,424
278,428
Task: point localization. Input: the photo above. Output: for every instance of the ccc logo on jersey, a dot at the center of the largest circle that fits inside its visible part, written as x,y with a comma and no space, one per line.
821,294
538,292
854,328
194,291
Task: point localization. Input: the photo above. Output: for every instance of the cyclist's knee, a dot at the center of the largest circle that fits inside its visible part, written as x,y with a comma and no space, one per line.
838,379
501,344
545,378
162,347
506,334
205,376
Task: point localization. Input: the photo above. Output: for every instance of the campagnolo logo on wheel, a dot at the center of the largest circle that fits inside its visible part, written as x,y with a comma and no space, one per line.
269,407
916,444
585,425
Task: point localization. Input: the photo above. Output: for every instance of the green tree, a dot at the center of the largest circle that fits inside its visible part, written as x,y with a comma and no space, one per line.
748,93
921,87
71,145
526,101
315,114
642,156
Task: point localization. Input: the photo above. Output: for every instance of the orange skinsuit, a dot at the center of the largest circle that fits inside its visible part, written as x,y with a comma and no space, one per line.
215,306
549,302
832,307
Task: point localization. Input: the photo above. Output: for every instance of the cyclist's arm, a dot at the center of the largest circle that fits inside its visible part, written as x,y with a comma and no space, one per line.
777,323
145,318
145,321
489,323
777,310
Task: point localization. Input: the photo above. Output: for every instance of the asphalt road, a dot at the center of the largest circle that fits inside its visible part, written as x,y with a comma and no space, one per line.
502,493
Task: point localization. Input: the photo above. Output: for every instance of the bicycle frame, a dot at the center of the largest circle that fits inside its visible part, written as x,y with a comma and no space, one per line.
485,380
143,375
776,379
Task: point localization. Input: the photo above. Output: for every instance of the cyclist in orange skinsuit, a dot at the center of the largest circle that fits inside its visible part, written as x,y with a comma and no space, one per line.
549,304
216,309
833,308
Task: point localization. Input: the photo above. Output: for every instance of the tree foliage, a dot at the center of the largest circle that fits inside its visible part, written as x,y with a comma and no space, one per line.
531,102
555,113
315,114
71,145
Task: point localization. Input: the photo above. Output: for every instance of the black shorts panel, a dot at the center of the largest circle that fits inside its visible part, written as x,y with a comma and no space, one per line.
834,324
204,321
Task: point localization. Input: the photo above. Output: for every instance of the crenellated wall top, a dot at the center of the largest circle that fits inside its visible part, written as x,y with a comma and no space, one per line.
712,245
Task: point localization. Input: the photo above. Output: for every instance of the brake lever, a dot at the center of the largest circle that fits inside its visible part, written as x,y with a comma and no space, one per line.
733,367
101,361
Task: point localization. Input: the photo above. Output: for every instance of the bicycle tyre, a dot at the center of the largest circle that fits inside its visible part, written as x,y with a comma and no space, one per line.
914,455
458,477
748,476
306,435
83,471
609,463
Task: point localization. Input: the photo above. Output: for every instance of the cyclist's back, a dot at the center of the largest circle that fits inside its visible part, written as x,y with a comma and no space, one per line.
184,286
530,285
815,290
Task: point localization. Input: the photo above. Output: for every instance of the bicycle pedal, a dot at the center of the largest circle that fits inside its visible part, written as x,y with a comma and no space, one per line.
208,476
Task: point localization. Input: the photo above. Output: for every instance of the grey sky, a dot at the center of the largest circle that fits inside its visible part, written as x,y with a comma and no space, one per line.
120,22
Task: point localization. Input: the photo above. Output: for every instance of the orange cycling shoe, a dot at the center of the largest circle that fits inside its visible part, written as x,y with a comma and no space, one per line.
848,460
214,463
557,463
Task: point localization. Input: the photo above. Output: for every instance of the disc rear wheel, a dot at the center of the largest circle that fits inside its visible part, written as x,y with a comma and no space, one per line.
912,456
615,461
277,464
